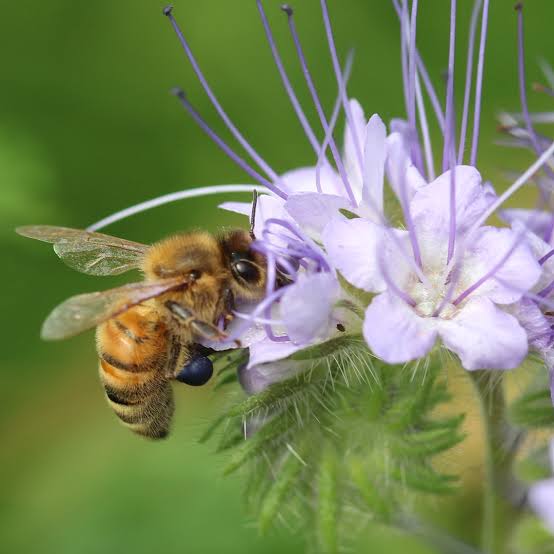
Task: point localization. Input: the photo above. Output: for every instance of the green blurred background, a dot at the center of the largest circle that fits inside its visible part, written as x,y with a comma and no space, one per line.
86,128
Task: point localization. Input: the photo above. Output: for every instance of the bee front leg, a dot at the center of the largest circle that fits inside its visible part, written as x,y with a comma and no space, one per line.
200,328
228,307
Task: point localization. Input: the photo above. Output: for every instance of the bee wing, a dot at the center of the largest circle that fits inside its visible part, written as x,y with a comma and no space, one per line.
85,311
91,253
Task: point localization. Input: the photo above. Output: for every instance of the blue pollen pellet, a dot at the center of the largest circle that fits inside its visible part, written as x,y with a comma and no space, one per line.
197,372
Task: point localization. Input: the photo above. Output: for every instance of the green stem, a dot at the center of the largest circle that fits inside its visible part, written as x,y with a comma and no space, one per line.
498,513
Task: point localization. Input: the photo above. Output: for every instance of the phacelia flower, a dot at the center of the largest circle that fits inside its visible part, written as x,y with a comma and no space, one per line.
438,273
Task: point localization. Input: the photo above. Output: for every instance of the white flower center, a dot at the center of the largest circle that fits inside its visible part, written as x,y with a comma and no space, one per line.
428,297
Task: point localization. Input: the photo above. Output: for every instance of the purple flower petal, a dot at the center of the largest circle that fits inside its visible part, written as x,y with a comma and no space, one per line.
534,323
403,176
257,378
520,272
484,336
351,160
267,350
539,222
312,211
374,163
541,499
243,208
395,332
268,207
307,307
304,179
429,206
352,247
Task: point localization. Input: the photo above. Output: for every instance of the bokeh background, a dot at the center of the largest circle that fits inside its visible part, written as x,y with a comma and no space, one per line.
87,127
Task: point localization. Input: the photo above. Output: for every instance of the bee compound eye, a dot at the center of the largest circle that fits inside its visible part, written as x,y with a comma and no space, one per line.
247,271
196,372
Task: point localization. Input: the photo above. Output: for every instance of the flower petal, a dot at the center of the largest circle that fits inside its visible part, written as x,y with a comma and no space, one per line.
430,205
304,179
541,499
257,378
243,208
307,306
351,160
395,332
534,322
539,222
484,336
267,350
520,272
402,175
352,246
374,164
312,211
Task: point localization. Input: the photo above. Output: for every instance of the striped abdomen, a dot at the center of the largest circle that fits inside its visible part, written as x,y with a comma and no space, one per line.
133,351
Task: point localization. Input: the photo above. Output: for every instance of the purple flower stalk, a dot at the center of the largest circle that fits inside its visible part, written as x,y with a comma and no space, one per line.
440,275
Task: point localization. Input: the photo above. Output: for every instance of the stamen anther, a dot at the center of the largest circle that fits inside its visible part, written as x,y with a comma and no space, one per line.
287,8
167,10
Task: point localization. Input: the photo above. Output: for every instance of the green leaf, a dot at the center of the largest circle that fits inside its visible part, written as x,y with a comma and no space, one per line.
327,503
531,537
427,443
226,379
256,444
425,479
348,214
362,296
277,493
368,489
533,410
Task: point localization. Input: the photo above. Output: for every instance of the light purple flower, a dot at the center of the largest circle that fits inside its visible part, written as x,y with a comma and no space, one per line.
426,296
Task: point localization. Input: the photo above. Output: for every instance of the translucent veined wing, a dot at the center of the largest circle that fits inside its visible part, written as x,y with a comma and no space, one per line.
84,311
91,253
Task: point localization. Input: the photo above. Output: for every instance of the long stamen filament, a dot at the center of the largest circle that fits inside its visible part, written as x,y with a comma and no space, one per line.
341,81
450,126
224,146
309,81
513,188
213,99
321,159
479,84
469,77
171,197
286,81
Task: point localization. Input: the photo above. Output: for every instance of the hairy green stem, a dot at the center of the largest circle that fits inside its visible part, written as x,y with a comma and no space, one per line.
498,512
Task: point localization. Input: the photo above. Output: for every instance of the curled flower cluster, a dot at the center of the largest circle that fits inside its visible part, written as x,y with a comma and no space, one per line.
375,243
372,240
439,275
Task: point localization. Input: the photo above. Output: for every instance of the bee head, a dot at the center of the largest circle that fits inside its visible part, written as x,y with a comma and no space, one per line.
248,267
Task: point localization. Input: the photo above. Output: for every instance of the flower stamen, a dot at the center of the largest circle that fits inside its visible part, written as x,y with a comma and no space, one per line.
286,81
315,97
216,104
180,94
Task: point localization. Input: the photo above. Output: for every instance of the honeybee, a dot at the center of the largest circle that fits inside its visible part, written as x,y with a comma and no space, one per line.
147,333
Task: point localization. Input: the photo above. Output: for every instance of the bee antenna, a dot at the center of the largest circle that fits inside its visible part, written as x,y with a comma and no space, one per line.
253,213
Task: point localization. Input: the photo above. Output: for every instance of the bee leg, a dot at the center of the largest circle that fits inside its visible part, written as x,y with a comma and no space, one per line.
228,306
202,329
